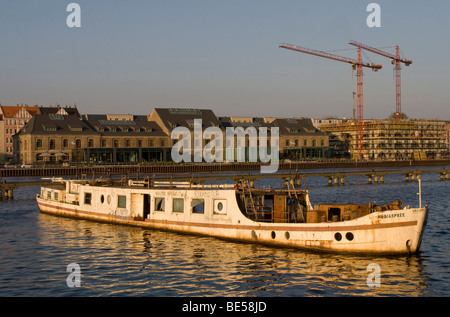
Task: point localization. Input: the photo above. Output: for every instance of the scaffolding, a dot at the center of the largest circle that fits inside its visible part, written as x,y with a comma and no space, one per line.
395,139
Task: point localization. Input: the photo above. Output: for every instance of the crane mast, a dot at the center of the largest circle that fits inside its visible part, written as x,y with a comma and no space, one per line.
357,64
397,60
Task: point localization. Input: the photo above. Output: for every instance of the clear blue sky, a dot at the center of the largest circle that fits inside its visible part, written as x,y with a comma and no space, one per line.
132,56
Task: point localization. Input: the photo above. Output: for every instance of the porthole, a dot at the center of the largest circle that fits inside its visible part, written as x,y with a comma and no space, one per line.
338,236
287,235
220,206
108,199
254,236
349,236
273,234
102,199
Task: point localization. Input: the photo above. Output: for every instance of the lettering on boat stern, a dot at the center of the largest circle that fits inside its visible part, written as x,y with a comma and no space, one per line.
396,215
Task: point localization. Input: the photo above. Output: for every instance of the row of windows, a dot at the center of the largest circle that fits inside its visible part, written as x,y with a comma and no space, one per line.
10,131
296,143
49,194
11,121
77,143
197,204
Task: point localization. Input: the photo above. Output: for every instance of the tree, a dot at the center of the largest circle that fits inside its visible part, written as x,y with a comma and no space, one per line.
394,116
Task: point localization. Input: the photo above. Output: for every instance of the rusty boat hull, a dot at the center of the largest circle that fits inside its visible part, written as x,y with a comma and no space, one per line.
228,213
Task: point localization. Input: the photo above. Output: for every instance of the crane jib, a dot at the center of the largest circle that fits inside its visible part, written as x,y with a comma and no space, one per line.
352,61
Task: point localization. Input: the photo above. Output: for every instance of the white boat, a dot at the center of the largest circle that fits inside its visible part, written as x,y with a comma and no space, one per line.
282,217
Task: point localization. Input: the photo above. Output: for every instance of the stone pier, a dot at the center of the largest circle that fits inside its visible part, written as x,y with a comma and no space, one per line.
7,190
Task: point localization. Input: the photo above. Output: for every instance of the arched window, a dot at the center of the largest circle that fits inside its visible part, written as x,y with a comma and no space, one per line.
52,144
38,143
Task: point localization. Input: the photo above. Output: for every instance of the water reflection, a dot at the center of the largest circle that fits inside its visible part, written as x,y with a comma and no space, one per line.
119,260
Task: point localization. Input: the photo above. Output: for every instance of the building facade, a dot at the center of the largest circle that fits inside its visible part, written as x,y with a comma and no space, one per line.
124,138
407,139
298,139
12,119
62,135
90,139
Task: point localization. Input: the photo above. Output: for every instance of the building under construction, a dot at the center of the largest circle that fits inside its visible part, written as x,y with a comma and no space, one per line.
410,139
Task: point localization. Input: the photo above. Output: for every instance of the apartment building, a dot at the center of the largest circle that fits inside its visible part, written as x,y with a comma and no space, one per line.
12,119
90,138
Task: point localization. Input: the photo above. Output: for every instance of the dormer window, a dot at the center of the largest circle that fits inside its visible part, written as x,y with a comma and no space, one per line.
75,128
49,127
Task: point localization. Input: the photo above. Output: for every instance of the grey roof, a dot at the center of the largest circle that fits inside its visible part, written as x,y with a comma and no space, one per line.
138,126
69,110
51,124
176,117
72,124
287,126
290,126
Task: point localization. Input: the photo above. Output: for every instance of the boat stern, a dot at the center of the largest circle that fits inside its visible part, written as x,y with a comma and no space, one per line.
422,218
403,229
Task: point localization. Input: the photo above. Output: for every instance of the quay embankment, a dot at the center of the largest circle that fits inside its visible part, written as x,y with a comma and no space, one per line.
51,171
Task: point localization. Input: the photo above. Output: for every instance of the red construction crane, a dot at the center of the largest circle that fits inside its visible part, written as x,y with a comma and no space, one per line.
397,60
356,63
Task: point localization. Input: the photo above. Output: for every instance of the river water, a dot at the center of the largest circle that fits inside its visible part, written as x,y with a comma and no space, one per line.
36,249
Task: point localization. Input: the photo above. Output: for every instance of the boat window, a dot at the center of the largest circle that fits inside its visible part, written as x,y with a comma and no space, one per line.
178,205
220,206
49,195
159,204
56,195
87,198
121,201
198,206
334,212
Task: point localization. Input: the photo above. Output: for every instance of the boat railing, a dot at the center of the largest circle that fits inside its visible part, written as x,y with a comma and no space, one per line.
55,179
177,184
261,213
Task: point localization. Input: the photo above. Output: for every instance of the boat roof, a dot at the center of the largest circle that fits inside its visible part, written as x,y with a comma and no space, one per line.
59,183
